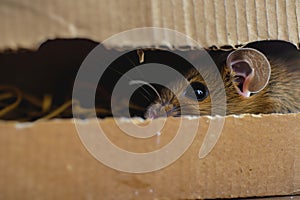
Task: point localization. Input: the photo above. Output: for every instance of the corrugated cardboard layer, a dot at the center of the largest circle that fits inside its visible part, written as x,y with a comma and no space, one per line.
28,23
255,156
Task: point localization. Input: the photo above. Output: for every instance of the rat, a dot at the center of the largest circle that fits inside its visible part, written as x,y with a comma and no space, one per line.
253,84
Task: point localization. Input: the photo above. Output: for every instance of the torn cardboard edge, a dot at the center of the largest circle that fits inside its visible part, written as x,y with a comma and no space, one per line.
226,47
261,160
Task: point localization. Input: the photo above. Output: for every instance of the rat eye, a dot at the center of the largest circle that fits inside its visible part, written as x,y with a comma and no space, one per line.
197,90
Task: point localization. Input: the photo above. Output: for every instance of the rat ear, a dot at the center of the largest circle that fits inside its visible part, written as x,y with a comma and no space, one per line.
251,69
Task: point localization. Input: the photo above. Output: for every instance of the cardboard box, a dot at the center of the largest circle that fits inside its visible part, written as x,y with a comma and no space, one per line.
256,155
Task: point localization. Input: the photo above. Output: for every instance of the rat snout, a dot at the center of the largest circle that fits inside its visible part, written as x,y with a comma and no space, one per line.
155,111
158,110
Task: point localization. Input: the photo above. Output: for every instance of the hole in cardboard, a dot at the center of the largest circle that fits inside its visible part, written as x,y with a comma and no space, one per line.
35,84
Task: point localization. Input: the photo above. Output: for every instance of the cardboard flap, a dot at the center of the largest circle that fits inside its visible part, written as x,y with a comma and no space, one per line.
255,156
26,24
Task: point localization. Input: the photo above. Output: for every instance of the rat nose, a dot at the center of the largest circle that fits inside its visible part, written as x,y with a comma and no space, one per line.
155,111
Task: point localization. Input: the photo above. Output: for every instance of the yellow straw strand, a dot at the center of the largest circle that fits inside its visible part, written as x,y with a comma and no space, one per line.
12,106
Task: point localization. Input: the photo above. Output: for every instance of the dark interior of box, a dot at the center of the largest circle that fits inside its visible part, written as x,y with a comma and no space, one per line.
37,84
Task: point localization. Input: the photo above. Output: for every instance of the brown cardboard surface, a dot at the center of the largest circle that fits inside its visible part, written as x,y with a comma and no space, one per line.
255,156
28,23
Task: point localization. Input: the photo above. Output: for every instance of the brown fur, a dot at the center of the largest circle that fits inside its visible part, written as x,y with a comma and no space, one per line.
281,95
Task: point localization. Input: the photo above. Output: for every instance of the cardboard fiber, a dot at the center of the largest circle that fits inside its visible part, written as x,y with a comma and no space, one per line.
28,23
255,155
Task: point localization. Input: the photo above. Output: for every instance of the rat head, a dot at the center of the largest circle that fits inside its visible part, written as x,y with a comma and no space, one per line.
246,72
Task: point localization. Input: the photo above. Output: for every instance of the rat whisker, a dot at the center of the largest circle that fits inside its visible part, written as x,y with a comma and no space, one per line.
147,98
172,99
145,95
174,112
188,104
135,106
120,73
133,64
137,69
132,82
